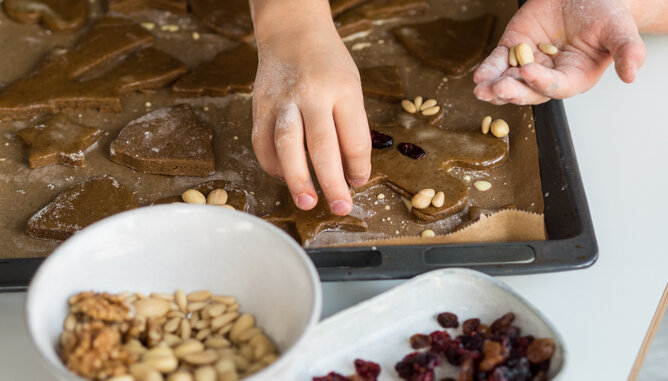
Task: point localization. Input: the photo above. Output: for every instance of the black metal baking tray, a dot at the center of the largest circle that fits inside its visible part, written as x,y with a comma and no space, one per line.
571,243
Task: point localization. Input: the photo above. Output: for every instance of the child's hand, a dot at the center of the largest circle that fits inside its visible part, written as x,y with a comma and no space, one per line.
589,35
307,91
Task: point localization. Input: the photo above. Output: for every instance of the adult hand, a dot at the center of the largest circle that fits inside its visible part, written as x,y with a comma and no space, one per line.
589,35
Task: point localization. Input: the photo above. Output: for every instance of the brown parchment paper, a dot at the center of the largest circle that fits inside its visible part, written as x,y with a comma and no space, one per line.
24,191
502,226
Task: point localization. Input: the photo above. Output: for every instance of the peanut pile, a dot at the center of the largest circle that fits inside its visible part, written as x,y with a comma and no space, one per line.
175,337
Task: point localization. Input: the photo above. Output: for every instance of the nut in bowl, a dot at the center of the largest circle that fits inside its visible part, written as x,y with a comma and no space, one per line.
231,278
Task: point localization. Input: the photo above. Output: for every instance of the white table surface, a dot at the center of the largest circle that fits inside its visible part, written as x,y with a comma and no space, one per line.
620,133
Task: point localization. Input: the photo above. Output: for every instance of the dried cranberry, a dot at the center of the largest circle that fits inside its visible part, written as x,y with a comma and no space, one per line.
451,349
332,376
367,370
411,150
521,345
472,342
447,320
419,341
417,366
501,324
380,140
470,325
540,350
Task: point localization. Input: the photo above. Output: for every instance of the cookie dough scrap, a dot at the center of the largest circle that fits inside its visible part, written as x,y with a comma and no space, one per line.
236,197
113,59
443,150
168,141
80,206
452,46
382,82
229,18
361,18
58,141
130,6
57,15
230,71
340,6
305,225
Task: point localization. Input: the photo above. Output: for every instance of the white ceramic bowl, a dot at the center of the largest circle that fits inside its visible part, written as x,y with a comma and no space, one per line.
192,247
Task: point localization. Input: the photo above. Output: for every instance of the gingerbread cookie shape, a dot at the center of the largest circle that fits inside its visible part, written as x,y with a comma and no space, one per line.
382,82
168,141
236,197
452,46
361,17
58,141
80,206
230,71
113,59
229,18
56,15
340,6
130,6
442,150
305,225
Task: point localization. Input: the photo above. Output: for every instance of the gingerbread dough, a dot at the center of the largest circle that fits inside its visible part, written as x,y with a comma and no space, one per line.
130,6
167,141
452,46
231,71
57,15
361,18
58,141
236,197
305,225
80,206
443,150
382,82
229,18
110,61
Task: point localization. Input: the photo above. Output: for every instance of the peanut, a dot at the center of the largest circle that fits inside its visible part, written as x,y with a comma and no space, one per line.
438,200
431,111
512,57
486,123
151,307
524,54
499,128
429,103
408,106
200,296
193,196
427,233
422,198
482,185
548,48
418,102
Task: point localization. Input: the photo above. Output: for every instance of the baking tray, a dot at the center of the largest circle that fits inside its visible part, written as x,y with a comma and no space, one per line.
571,242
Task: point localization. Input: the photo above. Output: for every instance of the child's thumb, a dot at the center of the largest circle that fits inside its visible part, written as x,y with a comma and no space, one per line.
627,48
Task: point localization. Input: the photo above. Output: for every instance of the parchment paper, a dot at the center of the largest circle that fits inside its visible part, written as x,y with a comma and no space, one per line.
24,191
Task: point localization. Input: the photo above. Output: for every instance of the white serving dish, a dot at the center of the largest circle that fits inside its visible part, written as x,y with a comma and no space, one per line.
193,247
379,329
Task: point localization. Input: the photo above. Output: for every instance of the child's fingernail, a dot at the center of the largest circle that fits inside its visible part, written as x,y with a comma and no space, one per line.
305,201
340,207
358,182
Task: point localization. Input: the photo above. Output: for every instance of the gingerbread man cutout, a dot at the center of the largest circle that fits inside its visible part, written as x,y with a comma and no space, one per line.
443,150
